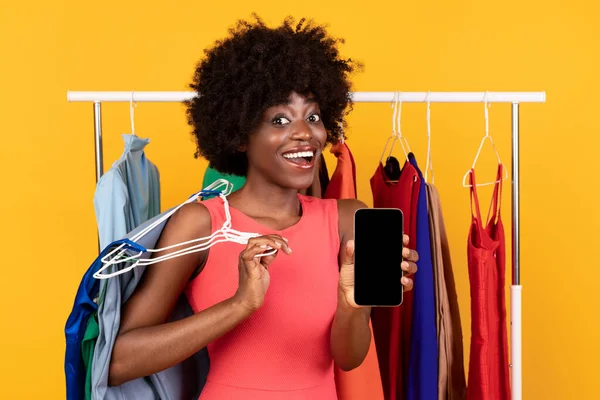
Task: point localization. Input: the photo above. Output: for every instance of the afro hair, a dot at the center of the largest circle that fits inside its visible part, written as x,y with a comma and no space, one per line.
257,67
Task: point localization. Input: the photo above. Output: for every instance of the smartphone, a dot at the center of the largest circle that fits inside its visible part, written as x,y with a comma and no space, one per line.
378,236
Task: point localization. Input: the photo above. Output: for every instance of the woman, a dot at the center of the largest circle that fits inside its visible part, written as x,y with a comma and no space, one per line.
271,99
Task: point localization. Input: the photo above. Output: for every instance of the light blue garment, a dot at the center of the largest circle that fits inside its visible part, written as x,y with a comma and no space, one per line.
183,381
128,194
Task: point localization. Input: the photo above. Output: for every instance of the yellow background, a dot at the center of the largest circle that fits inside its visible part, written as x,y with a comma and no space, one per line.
48,235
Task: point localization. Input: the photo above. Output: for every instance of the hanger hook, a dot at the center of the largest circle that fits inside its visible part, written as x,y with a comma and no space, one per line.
429,165
486,114
394,105
132,104
398,133
403,139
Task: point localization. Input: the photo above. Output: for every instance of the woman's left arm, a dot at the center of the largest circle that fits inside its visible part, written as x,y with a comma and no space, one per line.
350,333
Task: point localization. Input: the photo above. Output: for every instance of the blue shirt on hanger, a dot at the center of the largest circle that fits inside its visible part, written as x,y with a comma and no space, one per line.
422,380
128,194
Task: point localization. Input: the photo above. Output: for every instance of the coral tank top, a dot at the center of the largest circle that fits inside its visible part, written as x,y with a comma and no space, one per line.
283,350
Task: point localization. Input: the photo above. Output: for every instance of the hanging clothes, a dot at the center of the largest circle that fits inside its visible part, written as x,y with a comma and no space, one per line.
183,381
87,352
451,372
363,382
343,180
77,329
128,194
488,364
423,358
135,175
392,325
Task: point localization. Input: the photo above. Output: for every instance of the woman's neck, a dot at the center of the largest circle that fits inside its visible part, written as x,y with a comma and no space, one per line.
262,199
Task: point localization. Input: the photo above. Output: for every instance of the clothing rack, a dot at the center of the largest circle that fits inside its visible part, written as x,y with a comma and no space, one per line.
515,98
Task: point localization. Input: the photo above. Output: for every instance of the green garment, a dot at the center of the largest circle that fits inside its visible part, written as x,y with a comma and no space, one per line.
211,175
88,345
87,351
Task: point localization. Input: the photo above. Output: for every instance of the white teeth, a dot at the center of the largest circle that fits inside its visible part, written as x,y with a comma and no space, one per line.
299,154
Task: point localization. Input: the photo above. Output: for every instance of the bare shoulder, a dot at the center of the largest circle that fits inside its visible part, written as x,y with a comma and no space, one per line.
347,207
191,220
346,210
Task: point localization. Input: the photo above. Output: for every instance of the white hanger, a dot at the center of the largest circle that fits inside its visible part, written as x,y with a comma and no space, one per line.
487,136
225,234
394,135
132,104
398,130
429,165
406,150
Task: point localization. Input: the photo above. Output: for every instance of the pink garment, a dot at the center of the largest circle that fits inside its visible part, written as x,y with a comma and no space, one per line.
283,350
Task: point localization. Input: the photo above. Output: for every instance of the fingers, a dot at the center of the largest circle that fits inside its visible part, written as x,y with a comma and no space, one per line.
409,267
405,239
265,243
407,283
348,253
410,255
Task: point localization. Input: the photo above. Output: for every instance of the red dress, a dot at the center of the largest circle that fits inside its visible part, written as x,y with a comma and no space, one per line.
488,363
392,325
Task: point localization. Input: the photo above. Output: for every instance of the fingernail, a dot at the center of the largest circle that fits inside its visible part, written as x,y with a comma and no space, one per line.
405,265
285,240
405,281
278,244
263,246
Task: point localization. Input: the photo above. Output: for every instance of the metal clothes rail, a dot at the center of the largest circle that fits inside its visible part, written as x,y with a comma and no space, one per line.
515,98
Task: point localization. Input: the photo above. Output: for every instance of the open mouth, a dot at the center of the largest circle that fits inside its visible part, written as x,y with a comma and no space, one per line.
302,159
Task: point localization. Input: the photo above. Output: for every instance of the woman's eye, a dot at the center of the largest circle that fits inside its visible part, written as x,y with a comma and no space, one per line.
280,121
314,118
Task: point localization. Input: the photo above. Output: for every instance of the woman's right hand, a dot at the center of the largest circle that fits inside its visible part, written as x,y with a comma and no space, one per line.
254,275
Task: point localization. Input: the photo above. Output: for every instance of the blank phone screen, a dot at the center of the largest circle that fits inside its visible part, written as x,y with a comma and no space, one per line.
377,256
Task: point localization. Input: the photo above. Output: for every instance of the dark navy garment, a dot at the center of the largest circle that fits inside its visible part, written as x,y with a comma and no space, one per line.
422,380
83,307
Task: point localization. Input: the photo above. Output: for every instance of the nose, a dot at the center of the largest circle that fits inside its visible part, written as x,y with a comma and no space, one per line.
302,131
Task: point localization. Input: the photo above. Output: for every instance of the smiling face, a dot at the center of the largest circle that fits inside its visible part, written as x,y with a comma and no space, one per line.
285,145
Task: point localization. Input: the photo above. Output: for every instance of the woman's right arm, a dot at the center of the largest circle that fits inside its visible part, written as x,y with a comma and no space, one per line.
146,344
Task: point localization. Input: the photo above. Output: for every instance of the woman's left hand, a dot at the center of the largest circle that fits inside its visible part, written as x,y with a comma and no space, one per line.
346,284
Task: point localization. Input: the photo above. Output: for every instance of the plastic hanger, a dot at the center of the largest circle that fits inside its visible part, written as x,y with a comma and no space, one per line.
397,105
132,104
225,234
429,165
398,129
488,137
403,139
